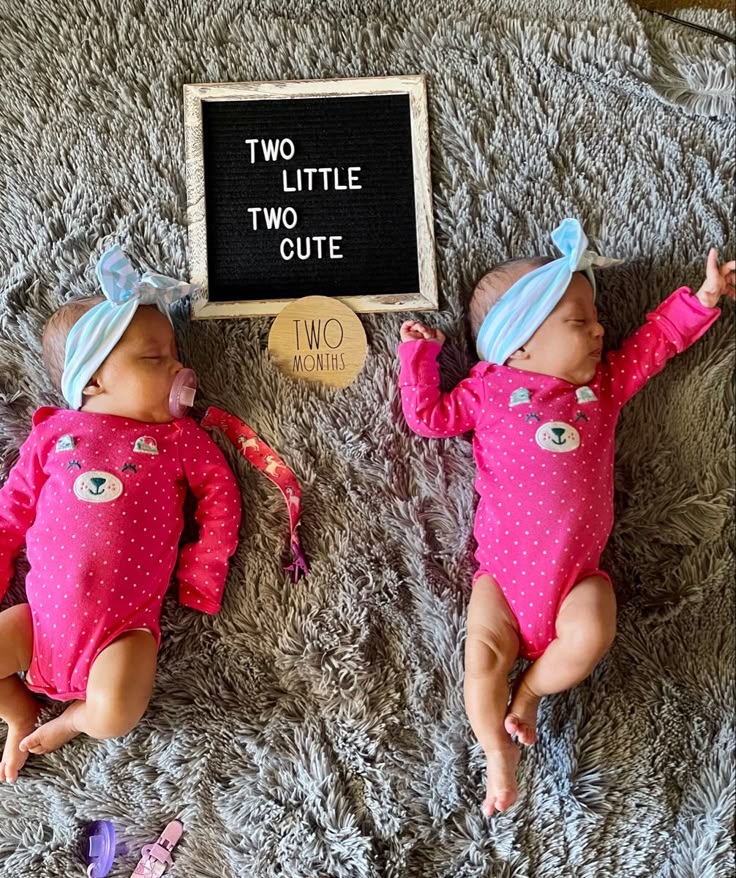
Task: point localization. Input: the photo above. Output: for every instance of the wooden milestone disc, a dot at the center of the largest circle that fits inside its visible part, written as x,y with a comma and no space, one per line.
318,339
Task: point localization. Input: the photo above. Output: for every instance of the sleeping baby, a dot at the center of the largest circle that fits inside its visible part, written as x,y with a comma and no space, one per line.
97,497
543,405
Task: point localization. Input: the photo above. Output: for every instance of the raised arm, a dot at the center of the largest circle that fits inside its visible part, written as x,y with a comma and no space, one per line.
674,326
428,411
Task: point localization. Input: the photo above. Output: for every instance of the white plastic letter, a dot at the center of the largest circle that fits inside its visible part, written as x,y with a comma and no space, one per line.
254,211
334,247
252,141
270,149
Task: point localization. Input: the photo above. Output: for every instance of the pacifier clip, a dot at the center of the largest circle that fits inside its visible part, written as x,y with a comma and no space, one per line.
265,459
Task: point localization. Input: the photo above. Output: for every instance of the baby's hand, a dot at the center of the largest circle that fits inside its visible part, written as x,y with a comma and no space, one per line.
413,330
719,281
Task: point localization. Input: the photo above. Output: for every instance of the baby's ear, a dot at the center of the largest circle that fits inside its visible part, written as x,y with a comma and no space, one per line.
93,388
521,354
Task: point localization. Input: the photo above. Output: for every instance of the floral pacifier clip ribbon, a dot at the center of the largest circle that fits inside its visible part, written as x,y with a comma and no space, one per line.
255,451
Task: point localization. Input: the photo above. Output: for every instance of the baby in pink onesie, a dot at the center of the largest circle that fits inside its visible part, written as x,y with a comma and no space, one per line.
97,497
542,405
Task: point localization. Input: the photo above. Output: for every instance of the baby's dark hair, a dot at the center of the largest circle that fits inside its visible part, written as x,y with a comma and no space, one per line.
55,333
495,283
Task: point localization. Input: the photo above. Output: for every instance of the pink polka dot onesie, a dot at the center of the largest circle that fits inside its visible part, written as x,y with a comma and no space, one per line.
544,449
98,500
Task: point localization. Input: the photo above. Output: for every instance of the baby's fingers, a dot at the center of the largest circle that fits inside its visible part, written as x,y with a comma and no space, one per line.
413,330
728,273
711,263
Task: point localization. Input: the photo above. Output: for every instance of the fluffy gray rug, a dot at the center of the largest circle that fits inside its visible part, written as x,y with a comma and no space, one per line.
319,730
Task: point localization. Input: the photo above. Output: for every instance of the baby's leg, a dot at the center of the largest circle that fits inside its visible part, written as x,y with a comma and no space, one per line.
585,627
18,707
118,691
490,650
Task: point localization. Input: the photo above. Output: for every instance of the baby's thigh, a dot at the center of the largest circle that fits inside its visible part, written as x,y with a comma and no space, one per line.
490,619
588,613
16,640
121,677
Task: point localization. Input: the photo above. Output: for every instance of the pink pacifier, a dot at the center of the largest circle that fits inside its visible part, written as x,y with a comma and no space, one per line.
182,393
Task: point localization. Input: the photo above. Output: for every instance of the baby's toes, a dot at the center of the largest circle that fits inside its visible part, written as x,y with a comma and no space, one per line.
517,728
32,743
499,802
10,769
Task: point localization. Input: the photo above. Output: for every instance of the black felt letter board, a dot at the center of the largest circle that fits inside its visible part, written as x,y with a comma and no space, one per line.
373,228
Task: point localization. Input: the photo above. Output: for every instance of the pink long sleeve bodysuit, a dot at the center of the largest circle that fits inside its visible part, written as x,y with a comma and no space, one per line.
98,500
544,450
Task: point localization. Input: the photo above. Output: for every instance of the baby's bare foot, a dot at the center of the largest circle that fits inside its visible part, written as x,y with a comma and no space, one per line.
501,789
51,735
13,756
521,720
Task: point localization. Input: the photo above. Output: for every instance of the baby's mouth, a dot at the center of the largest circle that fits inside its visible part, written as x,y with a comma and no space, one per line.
596,353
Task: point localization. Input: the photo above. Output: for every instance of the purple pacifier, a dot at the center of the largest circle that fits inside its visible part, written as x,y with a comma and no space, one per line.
100,852
182,393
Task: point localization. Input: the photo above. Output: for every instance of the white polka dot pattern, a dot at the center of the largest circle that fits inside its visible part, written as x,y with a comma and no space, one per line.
101,568
543,517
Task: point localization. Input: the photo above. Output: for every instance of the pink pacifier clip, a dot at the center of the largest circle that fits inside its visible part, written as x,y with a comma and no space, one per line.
156,858
255,450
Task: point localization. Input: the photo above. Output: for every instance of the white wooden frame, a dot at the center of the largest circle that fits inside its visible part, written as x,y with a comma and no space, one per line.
425,298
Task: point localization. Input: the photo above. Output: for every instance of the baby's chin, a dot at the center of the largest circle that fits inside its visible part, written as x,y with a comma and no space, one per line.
153,416
158,419
584,378
145,416
587,374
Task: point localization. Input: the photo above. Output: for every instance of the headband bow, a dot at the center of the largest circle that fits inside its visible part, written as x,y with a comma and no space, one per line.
524,307
96,333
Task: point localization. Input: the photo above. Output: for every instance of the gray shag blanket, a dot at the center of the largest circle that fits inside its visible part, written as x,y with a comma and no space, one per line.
318,731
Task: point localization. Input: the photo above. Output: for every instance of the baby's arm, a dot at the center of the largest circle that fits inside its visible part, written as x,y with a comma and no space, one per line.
18,498
672,328
203,565
427,411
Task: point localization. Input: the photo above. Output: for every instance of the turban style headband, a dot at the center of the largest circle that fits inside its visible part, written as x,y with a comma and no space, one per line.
524,307
97,332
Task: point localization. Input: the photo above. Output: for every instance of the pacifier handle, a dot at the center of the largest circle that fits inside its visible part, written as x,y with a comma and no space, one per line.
100,852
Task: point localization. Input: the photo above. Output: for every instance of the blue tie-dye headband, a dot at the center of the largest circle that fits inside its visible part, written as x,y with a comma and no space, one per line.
524,307
97,332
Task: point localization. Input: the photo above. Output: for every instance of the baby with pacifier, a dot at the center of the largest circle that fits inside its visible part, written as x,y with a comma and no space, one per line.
97,497
542,405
